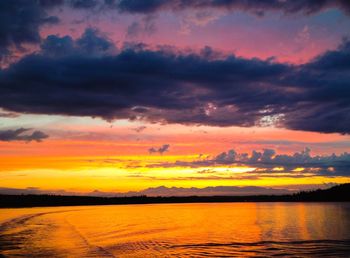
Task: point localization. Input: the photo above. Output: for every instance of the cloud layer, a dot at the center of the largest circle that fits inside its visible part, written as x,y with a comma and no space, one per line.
20,135
254,6
269,163
89,76
20,21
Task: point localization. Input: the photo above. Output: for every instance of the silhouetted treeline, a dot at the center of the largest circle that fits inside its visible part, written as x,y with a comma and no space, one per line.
339,193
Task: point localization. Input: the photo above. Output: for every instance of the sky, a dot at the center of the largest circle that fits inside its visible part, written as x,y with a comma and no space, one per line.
108,97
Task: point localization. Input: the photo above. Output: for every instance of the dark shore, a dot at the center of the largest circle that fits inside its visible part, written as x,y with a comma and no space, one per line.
339,193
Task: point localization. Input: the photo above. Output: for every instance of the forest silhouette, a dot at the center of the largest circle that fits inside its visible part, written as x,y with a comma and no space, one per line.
338,193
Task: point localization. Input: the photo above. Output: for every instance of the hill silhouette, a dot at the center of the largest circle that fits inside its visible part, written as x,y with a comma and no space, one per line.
339,193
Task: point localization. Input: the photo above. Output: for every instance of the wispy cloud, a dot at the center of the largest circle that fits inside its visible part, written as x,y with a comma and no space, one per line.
269,163
139,129
160,150
20,135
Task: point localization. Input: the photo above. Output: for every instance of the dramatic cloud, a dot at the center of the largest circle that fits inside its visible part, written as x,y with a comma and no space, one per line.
268,162
160,150
19,135
255,6
84,4
91,43
325,80
90,77
20,21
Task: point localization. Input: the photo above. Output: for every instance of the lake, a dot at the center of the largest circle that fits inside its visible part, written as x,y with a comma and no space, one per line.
178,230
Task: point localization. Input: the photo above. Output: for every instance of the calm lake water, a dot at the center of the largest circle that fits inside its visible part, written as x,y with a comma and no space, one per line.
178,230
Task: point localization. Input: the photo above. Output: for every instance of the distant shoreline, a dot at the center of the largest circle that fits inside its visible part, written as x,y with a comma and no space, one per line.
339,193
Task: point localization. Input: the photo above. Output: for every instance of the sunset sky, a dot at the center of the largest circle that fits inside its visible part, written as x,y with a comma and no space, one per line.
104,97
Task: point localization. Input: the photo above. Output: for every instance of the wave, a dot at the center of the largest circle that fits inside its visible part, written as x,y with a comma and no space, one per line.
121,232
307,248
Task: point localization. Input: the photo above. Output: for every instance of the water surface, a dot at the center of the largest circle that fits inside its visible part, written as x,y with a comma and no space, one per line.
178,230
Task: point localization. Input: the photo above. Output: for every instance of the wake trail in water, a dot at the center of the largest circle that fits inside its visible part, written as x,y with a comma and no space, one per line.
93,250
19,221
178,231
309,248
16,232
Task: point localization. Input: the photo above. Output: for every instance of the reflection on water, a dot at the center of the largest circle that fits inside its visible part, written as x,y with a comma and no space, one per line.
163,230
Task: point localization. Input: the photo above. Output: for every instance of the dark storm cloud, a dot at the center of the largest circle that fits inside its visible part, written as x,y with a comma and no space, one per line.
90,77
84,4
333,60
258,7
21,134
20,21
91,43
325,83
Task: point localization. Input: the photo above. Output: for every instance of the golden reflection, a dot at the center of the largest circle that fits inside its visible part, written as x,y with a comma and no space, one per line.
229,229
